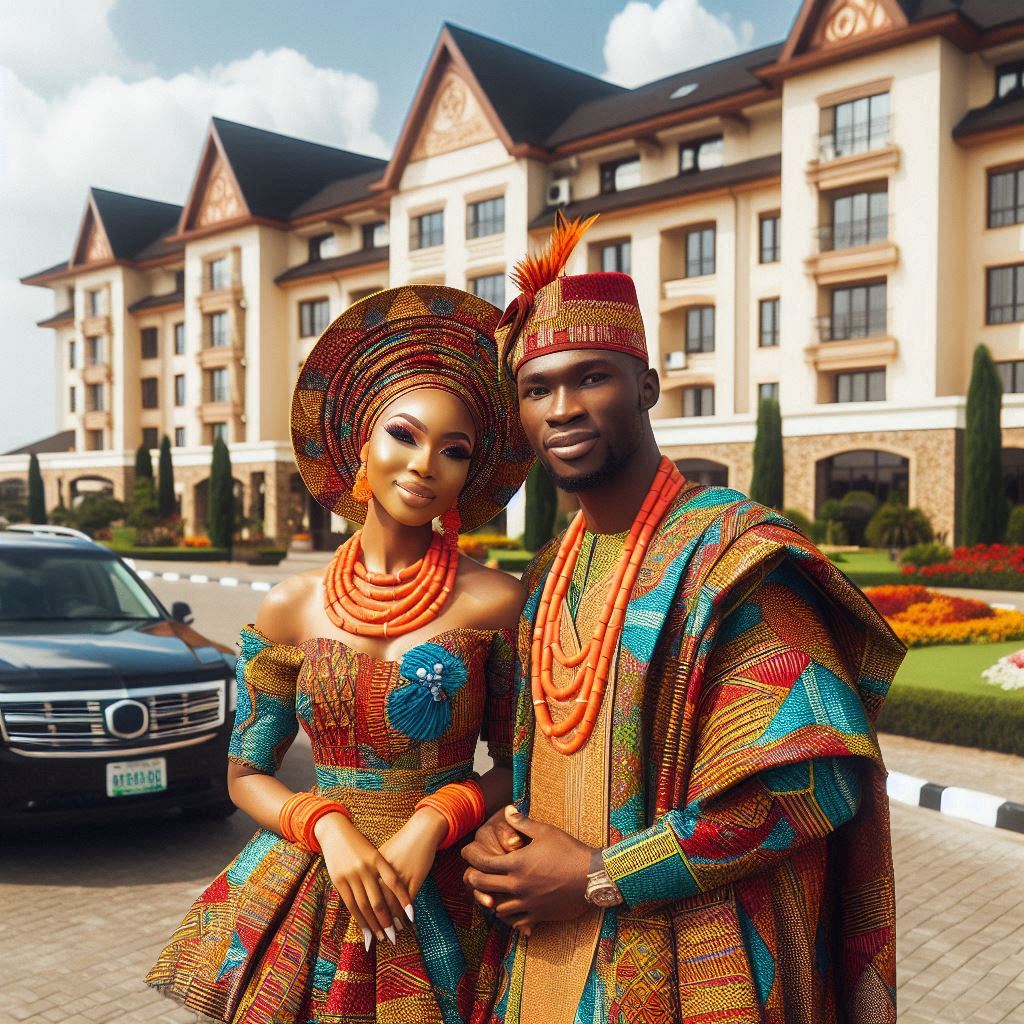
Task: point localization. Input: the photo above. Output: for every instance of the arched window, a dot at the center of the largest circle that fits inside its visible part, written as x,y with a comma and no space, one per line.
878,473
704,471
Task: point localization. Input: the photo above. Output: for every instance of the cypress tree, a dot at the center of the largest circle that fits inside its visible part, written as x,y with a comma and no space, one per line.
766,481
984,507
36,492
166,503
221,516
143,463
541,506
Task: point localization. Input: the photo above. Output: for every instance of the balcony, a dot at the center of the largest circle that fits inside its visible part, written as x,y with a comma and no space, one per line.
852,341
853,250
97,324
97,373
220,412
686,291
853,154
853,326
96,419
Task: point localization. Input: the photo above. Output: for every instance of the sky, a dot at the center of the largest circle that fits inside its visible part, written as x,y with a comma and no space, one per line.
118,94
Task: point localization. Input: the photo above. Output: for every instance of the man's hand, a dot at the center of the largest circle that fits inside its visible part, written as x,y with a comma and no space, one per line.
544,881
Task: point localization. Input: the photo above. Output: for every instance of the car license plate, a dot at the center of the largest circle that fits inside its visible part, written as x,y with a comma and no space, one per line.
127,778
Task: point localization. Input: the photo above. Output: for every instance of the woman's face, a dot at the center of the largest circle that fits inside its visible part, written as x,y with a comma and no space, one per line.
418,455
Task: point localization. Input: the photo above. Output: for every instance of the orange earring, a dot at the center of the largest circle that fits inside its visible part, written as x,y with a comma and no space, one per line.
361,489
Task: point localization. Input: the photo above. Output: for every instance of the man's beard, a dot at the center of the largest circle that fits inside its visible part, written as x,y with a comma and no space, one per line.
611,469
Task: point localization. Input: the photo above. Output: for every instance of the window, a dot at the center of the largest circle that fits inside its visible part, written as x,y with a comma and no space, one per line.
72,400
619,175
150,343
150,398
1011,373
427,230
179,280
857,312
769,320
771,243
861,386
700,252
858,219
179,339
856,127
1010,80
376,235
150,437
1005,294
218,274
321,246
179,437
490,287
94,398
94,303
179,389
699,401
72,355
616,257
769,390
1006,197
485,218
218,432
93,351
217,385
314,316
217,330
700,329
95,440
701,155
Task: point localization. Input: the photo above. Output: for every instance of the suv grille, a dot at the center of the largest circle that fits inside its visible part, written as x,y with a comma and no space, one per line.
78,721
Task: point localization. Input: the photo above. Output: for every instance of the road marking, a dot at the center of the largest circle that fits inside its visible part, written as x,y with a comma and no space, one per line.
198,578
228,581
171,577
261,585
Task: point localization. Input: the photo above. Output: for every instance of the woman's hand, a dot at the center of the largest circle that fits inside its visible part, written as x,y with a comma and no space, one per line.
369,886
411,850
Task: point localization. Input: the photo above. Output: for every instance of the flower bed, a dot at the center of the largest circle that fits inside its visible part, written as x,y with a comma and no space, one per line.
922,617
987,566
1007,673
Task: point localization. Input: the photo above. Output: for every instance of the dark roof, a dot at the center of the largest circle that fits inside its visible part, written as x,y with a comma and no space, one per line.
531,95
339,193
999,114
314,268
277,173
984,13
175,298
161,247
133,223
680,185
713,82
65,316
57,268
64,441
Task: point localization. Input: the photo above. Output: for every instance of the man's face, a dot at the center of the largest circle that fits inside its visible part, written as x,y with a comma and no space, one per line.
584,411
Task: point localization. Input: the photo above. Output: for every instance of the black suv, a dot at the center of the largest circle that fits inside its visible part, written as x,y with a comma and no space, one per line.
109,705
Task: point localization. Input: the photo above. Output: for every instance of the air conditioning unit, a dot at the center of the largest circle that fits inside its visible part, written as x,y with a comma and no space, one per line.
559,192
675,360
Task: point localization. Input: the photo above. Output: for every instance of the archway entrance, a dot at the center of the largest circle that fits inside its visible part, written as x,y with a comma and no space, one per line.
879,473
86,486
704,471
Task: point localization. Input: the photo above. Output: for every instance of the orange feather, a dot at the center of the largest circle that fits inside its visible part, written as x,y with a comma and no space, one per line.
531,273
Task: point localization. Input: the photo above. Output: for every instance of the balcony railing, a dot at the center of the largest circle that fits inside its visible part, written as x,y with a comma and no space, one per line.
852,233
218,393
850,326
862,137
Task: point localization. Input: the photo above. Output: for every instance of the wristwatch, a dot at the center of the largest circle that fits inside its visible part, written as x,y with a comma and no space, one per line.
601,890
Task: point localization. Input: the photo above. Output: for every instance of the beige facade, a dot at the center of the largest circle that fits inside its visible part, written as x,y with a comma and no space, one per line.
868,139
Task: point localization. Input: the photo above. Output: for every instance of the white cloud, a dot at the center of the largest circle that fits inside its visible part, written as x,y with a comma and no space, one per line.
141,137
644,43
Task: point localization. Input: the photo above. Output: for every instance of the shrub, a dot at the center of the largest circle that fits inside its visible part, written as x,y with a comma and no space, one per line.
471,546
896,526
143,513
766,481
495,540
97,512
931,553
541,508
196,542
166,501
984,512
829,531
855,511
1015,526
800,521
36,492
221,516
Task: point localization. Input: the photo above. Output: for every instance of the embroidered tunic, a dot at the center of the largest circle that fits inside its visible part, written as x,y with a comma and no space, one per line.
747,818
270,941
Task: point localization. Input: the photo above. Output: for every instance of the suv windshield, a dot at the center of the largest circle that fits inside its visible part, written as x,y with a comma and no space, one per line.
65,586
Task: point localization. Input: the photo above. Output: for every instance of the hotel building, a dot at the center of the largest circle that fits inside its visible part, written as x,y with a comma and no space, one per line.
836,220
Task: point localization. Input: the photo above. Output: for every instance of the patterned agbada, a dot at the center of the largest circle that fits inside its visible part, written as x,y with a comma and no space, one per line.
270,941
747,817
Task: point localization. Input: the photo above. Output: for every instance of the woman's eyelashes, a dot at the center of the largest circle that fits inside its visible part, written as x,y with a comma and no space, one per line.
401,433
457,451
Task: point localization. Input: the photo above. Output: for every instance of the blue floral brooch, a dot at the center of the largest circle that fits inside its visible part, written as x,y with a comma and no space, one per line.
421,709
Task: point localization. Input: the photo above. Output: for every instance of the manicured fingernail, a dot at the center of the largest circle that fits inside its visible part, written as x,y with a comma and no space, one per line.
409,913
367,938
390,933
398,925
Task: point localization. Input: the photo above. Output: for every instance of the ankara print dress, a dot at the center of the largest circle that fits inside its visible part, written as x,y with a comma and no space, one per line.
270,941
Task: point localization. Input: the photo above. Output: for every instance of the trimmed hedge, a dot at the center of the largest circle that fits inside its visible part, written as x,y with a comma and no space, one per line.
966,720
972,580
172,554
510,561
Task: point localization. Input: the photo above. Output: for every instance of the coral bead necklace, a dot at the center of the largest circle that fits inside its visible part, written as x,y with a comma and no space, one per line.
590,668
365,603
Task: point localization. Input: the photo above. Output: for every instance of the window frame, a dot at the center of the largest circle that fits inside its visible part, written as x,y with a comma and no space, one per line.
865,135
416,232
696,145
216,317
620,247
315,246
701,311
308,309
868,288
149,334
72,399
1016,305
486,226
180,437
1006,69
1016,172
775,250
869,374
179,338
475,282
762,305
149,392
698,391
703,261
774,384
608,173
213,276
180,390
369,231
155,437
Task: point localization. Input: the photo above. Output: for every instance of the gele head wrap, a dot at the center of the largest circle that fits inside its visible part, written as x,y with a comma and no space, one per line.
394,341
553,313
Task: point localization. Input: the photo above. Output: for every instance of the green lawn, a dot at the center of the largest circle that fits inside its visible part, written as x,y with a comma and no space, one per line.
869,560
956,668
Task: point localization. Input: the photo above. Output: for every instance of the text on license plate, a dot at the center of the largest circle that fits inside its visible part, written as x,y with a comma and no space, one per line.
126,778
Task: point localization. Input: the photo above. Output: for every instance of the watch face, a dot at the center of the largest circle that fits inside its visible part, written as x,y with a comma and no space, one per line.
605,897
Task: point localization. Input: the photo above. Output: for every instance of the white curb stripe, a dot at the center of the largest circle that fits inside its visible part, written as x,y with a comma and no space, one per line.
260,585
145,574
905,788
171,577
970,805
198,578
228,581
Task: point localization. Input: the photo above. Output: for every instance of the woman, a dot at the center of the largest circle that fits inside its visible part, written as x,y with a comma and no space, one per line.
348,904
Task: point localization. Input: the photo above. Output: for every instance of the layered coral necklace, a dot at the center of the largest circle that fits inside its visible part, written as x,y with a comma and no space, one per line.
383,604
593,663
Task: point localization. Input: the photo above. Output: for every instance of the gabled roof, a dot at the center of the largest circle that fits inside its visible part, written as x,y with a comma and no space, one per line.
696,88
334,265
63,441
1000,116
132,223
45,276
166,300
985,14
65,316
356,189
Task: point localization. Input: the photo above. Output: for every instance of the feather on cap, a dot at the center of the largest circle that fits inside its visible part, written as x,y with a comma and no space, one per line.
531,273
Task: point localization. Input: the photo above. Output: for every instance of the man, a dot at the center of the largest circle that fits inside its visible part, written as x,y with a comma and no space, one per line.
702,826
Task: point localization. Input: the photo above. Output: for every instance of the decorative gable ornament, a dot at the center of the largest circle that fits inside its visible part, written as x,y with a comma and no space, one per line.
454,121
220,200
846,19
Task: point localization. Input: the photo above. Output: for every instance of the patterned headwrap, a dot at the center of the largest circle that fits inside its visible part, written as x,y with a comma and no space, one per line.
395,341
553,313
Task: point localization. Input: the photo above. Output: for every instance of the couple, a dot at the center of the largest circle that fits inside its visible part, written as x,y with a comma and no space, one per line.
686,818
